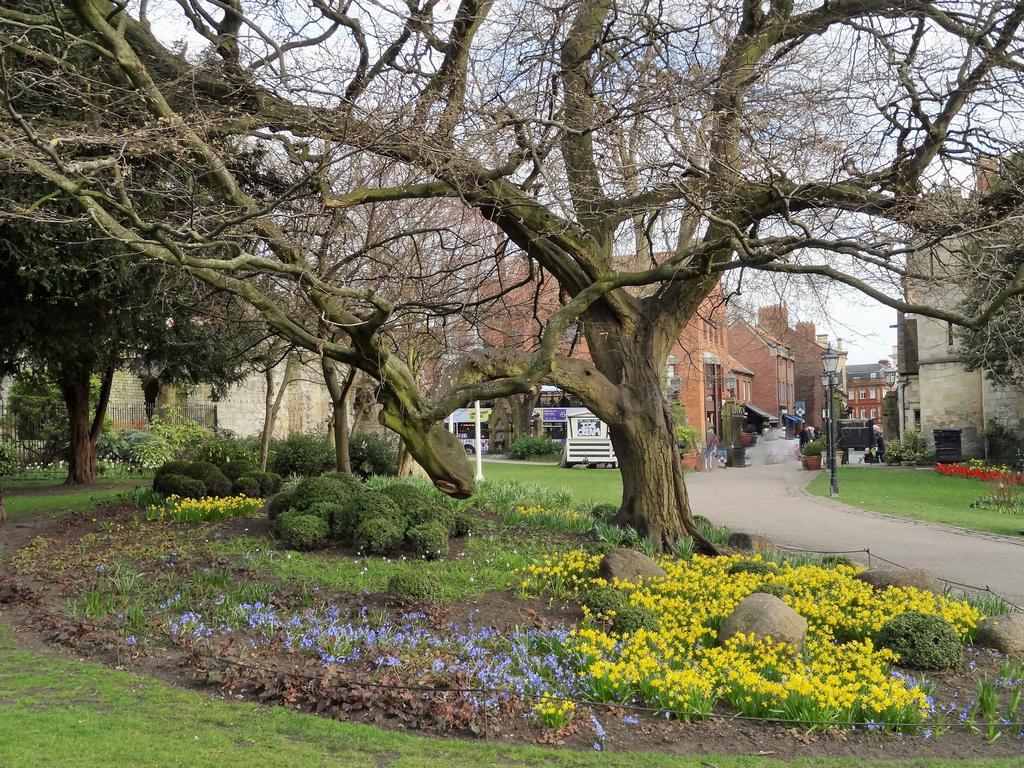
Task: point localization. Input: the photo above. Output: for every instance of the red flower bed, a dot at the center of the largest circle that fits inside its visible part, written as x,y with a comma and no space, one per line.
980,473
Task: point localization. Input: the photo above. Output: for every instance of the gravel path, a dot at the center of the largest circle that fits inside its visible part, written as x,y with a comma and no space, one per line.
769,498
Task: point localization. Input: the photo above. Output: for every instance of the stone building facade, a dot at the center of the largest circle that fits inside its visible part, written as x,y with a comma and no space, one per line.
935,390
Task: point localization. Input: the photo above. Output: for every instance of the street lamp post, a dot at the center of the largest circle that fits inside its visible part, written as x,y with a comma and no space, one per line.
829,376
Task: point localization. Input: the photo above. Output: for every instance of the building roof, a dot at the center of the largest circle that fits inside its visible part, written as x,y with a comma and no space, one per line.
766,338
867,371
738,367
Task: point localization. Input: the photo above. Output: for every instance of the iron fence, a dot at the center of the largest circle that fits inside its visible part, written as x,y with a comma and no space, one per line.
42,438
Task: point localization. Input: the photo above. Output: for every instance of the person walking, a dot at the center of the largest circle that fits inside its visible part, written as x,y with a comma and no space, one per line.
710,449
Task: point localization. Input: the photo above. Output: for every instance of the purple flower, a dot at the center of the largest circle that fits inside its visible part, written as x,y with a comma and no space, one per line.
630,720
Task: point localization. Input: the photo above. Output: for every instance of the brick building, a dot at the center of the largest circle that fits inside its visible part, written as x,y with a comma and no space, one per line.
806,346
699,363
773,384
866,389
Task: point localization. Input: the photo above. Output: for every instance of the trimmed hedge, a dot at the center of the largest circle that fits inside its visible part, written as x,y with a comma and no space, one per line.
605,599
179,485
363,507
170,468
407,497
317,490
247,485
923,641
239,468
302,532
378,536
279,503
429,540
326,511
415,587
270,482
631,618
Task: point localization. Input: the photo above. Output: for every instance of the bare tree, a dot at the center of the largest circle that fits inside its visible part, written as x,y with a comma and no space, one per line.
634,152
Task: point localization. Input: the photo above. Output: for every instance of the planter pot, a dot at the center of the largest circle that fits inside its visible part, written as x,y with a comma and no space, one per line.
746,439
690,460
812,462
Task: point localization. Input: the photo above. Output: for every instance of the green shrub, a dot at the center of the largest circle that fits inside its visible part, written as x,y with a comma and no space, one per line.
922,641
314,490
408,497
429,540
378,536
415,587
179,485
9,461
118,445
170,468
604,599
362,507
306,455
604,512
247,485
438,512
631,618
279,503
302,532
814,447
760,567
523,448
372,454
350,481
463,524
325,510
213,480
239,467
270,482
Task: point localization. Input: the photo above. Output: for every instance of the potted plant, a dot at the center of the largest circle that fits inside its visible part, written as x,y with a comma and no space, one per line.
811,456
746,439
687,438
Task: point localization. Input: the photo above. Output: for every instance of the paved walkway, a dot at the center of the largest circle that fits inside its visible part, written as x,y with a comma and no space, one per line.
768,498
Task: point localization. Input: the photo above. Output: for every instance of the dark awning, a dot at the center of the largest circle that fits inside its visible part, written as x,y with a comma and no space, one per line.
753,409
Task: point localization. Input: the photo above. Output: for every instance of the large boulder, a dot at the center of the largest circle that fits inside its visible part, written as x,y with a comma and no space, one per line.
1004,633
880,578
751,542
763,616
629,565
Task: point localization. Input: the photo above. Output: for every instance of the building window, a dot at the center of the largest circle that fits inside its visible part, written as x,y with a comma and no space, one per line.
863,413
863,394
917,417
874,413
871,393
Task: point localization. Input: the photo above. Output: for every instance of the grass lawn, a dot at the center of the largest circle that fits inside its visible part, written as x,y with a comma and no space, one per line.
920,494
599,486
51,497
58,713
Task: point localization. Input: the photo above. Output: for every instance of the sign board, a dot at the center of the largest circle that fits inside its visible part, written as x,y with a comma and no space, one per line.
553,414
801,407
799,411
588,428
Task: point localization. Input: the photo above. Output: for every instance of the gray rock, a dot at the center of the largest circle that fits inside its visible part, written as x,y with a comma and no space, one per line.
880,578
765,616
1004,633
751,542
629,565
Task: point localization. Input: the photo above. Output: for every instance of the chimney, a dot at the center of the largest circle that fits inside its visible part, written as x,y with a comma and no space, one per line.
986,168
822,339
885,363
806,330
774,319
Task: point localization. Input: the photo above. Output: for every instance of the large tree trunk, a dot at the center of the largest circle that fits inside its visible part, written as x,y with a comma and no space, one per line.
84,425
654,498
